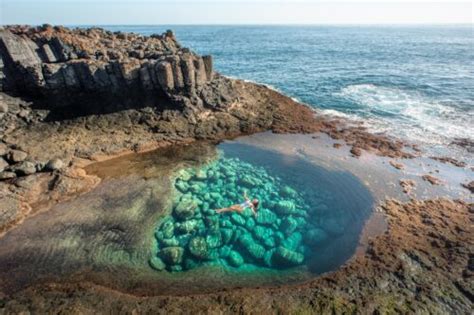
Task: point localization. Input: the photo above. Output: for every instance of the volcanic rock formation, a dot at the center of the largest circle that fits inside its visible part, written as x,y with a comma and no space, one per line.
65,67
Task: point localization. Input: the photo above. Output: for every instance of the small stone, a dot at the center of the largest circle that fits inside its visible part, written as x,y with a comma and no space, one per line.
3,164
157,264
16,156
356,151
7,175
54,164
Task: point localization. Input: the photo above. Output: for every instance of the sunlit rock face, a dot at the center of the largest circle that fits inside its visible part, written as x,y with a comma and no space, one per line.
289,224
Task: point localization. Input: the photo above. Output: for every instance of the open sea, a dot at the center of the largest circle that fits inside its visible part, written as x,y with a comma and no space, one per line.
412,82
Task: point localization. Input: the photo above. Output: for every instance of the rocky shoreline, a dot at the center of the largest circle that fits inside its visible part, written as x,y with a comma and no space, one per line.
70,98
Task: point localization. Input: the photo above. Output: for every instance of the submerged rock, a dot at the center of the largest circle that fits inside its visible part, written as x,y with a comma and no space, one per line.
235,259
315,236
198,247
172,255
285,207
283,257
185,207
157,264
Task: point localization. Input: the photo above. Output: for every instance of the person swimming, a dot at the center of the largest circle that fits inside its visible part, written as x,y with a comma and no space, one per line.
252,204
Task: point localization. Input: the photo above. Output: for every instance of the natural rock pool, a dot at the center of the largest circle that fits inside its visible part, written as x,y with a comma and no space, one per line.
150,226
299,220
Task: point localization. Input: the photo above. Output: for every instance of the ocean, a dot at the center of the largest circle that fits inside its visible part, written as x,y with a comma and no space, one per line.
415,83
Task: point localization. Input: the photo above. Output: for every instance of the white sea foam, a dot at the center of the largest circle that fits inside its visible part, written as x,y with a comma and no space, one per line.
410,115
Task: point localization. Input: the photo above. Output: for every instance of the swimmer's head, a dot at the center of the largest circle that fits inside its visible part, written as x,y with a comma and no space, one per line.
255,203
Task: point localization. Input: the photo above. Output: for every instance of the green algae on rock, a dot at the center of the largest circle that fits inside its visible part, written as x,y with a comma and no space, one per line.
280,236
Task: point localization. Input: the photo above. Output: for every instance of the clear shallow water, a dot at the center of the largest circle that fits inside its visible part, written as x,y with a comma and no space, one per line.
298,220
415,83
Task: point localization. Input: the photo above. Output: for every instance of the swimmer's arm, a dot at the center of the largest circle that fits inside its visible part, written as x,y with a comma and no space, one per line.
253,210
245,196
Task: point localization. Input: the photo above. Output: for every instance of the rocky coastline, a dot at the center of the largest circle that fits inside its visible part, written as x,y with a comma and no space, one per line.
72,97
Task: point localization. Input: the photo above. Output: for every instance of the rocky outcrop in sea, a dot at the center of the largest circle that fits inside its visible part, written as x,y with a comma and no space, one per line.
94,68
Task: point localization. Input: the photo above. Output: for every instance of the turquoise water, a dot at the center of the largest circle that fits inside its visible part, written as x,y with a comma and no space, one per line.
296,219
413,82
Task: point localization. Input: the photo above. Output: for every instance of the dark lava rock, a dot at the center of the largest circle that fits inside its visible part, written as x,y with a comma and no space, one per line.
469,186
356,151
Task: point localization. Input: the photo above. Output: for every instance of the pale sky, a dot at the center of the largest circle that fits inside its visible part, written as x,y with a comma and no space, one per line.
109,12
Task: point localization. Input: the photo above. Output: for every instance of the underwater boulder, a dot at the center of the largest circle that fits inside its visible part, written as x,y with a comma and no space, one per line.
315,236
252,248
224,251
198,247
237,219
289,225
186,227
250,224
293,241
269,242
226,234
200,175
266,217
214,239
182,186
170,242
172,255
185,207
288,192
285,207
267,257
185,174
248,181
235,259
283,257
332,226
156,263
167,228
